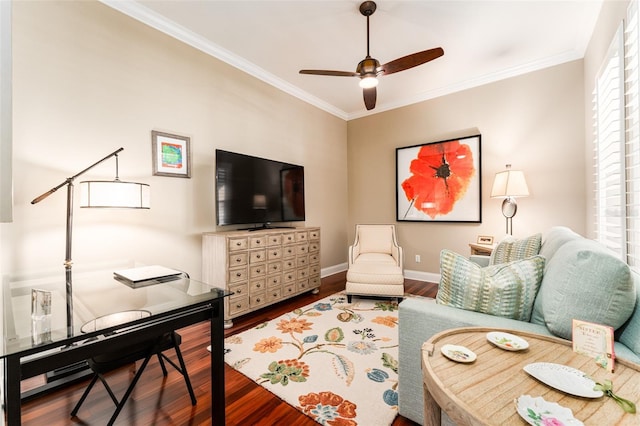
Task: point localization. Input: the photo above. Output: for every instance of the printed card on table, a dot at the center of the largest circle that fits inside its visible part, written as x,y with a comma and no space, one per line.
594,340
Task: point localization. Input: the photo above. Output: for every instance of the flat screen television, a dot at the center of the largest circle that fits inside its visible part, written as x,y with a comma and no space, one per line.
253,190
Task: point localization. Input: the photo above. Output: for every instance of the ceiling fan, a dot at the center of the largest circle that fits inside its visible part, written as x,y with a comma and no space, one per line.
369,69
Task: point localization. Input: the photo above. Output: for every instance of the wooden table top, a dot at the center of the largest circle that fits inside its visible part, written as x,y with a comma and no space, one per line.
483,392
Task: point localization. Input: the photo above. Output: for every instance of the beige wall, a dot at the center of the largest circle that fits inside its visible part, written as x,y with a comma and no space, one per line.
534,122
88,80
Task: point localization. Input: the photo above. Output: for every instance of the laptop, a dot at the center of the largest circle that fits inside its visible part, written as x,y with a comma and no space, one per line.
146,273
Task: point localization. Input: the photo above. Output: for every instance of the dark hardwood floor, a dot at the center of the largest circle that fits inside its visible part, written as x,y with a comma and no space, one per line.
164,401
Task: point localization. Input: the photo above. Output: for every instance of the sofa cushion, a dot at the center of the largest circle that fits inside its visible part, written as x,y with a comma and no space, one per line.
555,238
583,280
629,333
506,290
375,239
510,249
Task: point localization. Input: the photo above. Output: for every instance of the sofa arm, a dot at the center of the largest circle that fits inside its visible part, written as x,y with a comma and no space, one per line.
419,320
480,260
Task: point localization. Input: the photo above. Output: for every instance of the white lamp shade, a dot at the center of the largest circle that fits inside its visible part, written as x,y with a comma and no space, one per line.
510,183
115,194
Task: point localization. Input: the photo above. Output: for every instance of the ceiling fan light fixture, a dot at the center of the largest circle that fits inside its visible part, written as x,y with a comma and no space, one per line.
368,81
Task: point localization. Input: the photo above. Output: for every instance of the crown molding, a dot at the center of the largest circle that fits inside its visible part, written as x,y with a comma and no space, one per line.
162,24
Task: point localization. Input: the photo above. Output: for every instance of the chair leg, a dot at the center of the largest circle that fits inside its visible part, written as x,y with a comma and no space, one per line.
164,369
84,395
182,369
129,390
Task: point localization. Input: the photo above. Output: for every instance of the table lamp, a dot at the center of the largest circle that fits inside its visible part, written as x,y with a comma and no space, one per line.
113,193
509,184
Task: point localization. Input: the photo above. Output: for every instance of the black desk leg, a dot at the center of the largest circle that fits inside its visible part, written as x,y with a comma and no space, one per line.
217,363
12,390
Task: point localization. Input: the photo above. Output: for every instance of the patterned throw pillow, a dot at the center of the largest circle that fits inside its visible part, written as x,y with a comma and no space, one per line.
506,290
511,249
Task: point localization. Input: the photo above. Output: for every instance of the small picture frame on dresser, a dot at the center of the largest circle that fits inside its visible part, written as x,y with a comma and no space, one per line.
485,239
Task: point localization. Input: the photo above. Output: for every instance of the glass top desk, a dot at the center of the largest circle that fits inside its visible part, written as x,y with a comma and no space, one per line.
101,312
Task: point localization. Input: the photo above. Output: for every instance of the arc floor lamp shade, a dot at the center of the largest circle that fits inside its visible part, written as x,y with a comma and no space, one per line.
114,194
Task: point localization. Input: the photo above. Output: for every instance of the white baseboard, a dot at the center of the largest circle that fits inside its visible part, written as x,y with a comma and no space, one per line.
412,275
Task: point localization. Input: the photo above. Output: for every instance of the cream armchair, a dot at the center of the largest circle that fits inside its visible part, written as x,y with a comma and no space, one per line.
375,263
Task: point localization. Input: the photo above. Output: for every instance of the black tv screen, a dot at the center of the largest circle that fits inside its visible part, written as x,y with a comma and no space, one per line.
253,190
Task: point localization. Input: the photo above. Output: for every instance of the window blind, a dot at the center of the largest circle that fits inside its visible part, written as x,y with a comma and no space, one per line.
608,108
632,136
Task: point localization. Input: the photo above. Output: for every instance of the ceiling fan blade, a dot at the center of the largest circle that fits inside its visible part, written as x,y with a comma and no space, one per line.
330,73
411,61
370,96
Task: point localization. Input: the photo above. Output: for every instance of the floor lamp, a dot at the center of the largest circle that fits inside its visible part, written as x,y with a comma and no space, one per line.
113,193
509,184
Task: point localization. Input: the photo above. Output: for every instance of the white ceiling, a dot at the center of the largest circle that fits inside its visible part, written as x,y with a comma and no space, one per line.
483,41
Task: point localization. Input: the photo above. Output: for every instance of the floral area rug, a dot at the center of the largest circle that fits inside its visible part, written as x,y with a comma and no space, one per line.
334,361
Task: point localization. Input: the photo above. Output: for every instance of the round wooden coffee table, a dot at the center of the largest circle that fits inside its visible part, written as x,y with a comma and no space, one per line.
483,392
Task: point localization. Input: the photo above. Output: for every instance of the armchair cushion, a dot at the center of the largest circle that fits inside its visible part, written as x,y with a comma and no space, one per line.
507,290
374,258
375,239
511,249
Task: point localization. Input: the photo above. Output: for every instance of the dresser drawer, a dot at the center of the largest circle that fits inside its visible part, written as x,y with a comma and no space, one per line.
301,236
257,300
257,286
302,249
236,244
274,240
314,282
238,275
289,238
238,259
274,294
288,251
314,258
274,253
258,241
289,277
314,270
289,264
289,290
238,305
257,256
303,273
303,285
302,261
274,280
314,247
314,235
274,267
259,270
238,291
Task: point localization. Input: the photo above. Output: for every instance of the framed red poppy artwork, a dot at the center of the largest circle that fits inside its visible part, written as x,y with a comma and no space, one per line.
439,181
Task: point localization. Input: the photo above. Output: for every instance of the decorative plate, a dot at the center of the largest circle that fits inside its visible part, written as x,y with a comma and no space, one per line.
538,412
458,353
507,341
563,378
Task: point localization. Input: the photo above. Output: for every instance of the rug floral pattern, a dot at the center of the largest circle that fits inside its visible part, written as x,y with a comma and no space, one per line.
334,361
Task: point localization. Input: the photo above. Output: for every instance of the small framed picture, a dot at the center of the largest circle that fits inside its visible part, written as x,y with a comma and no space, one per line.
171,155
485,239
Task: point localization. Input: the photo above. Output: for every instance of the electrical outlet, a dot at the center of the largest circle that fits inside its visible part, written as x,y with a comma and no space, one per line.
417,258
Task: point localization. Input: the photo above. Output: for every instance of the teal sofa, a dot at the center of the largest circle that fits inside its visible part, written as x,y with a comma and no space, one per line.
577,271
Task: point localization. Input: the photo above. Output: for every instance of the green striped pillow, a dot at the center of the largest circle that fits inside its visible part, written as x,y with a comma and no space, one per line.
511,249
506,290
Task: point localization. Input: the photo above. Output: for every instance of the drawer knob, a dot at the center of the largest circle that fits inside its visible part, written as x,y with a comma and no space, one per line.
258,300
258,271
258,285
238,274
258,256
238,260
238,306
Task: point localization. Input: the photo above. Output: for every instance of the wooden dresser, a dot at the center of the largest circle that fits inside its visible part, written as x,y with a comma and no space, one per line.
261,267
